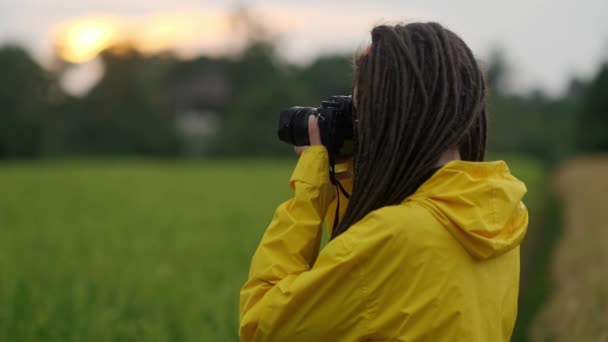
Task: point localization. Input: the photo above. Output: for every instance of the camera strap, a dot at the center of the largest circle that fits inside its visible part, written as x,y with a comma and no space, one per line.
339,188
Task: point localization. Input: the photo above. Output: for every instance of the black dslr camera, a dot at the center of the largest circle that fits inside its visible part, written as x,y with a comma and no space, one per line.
336,124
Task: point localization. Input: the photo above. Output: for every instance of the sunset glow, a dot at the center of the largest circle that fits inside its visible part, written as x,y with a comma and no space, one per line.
175,30
82,40
212,32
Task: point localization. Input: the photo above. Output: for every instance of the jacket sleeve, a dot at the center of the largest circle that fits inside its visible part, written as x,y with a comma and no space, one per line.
291,295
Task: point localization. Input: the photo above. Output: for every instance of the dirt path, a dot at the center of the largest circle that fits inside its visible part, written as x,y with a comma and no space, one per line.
577,309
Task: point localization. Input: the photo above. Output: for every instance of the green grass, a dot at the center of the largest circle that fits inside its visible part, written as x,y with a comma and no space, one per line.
133,251
130,251
577,307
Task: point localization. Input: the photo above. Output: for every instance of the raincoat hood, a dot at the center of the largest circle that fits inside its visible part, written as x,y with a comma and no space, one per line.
479,203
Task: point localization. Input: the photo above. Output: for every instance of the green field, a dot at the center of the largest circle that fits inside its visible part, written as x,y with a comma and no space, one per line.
135,250
577,309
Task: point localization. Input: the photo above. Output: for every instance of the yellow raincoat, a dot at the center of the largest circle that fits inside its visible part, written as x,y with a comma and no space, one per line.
441,266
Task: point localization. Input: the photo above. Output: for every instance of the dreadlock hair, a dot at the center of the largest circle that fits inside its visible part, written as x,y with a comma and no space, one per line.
419,92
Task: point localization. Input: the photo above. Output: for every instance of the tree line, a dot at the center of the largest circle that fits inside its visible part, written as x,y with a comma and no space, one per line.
161,106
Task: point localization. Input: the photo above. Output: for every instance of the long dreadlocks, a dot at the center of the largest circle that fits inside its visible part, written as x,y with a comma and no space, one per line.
419,93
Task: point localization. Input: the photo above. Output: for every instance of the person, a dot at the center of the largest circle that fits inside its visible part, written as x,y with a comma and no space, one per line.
427,248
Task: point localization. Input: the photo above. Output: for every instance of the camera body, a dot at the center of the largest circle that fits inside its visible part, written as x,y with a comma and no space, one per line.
336,125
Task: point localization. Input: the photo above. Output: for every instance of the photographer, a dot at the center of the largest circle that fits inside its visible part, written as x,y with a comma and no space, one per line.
427,248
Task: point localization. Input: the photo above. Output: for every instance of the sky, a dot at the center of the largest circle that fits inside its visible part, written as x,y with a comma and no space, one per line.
546,42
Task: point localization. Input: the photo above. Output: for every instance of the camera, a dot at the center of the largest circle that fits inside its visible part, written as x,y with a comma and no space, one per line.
336,124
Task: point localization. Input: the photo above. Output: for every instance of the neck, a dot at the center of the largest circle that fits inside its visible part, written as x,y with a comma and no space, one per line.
447,156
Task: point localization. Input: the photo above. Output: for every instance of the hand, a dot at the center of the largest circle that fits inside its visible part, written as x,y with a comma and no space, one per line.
314,135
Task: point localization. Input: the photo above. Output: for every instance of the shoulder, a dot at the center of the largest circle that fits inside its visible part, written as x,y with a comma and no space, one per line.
392,227
393,220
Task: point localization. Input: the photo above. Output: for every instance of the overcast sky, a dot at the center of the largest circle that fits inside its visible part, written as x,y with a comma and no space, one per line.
547,42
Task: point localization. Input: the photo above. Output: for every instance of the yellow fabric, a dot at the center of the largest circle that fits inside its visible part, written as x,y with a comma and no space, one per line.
441,266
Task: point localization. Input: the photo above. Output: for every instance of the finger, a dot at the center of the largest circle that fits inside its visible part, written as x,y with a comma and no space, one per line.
299,149
314,135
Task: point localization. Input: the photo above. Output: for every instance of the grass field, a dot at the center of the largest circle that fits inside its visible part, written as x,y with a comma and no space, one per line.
578,307
134,250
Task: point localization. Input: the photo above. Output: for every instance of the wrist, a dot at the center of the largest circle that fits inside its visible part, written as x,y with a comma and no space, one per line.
310,180
312,167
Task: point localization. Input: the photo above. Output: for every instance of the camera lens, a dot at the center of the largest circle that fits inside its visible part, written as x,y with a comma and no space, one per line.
293,125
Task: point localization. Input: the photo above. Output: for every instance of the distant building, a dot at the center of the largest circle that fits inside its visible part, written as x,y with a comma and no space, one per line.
200,95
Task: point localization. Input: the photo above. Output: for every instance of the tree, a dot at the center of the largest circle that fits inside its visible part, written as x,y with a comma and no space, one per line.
593,123
130,111
497,71
26,94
